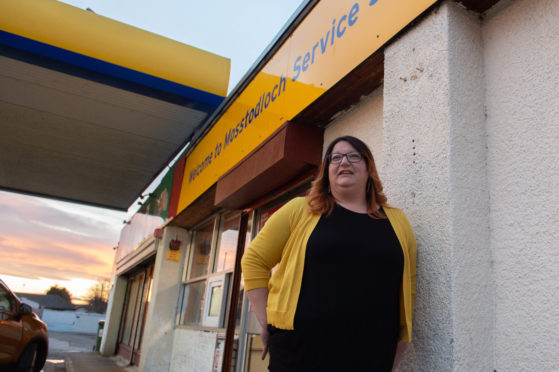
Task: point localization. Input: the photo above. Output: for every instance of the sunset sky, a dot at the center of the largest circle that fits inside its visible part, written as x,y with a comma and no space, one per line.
45,242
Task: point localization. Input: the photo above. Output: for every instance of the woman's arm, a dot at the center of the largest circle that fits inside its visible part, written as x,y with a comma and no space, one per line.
402,345
265,250
258,298
262,254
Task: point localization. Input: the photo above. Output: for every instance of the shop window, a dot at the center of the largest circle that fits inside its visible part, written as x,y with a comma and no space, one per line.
214,309
209,271
193,302
228,236
202,247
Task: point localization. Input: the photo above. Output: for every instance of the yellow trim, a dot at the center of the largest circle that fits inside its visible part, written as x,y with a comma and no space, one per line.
67,27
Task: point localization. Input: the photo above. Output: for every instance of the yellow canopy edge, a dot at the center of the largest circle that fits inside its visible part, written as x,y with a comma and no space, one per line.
67,27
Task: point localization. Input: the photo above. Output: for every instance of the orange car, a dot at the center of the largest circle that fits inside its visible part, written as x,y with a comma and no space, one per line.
23,336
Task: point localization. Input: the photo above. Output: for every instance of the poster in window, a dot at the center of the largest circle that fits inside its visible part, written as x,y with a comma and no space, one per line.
218,355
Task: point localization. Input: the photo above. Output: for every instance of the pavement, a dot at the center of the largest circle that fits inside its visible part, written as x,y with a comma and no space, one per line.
93,362
73,352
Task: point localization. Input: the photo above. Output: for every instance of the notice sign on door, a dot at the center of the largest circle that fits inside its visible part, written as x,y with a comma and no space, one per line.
173,255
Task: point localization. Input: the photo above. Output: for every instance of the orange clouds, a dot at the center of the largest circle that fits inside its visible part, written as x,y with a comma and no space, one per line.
60,241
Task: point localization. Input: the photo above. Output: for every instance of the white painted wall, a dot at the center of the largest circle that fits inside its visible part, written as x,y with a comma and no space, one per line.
157,342
72,321
415,177
521,57
87,322
434,167
193,350
364,121
58,320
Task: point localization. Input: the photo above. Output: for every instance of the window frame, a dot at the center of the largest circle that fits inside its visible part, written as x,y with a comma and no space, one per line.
10,298
213,219
218,320
223,217
217,221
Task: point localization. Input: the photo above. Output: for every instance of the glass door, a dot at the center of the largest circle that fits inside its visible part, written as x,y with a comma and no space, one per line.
133,319
146,295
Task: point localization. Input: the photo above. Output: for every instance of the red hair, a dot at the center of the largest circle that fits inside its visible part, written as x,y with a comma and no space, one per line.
321,201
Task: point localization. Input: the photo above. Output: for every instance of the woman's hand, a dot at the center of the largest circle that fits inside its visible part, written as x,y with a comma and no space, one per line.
399,352
258,298
265,336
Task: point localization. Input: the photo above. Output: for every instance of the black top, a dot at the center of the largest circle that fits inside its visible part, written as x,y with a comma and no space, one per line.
347,316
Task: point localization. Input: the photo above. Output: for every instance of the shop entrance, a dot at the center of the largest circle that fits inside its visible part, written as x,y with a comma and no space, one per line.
134,314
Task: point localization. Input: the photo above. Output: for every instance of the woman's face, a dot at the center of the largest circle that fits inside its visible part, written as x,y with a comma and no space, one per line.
346,175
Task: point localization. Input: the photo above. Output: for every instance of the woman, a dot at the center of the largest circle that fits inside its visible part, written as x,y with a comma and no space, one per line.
342,296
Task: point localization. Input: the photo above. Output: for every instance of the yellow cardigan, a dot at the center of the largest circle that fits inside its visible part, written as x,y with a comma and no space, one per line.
284,240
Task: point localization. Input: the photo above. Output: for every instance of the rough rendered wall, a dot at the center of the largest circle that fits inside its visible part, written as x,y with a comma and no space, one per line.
363,121
193,350
434,165
522,68
473,286
157,342
415,145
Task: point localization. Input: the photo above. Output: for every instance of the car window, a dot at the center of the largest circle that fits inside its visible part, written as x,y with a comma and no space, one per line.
7,302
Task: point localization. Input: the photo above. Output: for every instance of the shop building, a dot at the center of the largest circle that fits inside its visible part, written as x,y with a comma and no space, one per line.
458,102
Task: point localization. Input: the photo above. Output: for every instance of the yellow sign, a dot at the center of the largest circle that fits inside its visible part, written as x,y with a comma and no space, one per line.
173,255
332,40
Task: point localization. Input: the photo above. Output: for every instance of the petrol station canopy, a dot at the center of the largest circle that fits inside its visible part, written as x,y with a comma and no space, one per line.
92,110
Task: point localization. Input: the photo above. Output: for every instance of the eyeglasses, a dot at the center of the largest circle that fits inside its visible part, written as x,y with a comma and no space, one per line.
352,157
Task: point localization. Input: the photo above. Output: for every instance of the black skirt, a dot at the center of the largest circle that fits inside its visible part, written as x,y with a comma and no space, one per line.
326,350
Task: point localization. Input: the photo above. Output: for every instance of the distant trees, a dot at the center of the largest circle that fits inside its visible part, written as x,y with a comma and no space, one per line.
98,296
61,292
